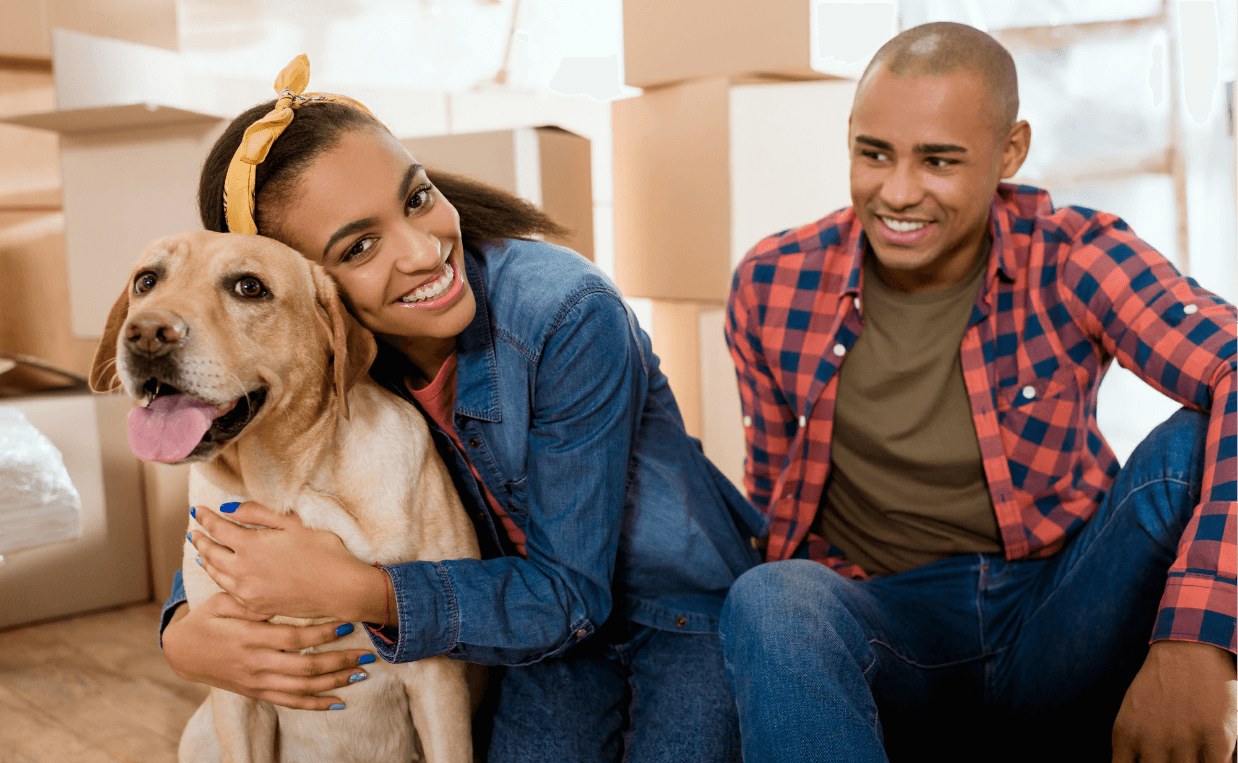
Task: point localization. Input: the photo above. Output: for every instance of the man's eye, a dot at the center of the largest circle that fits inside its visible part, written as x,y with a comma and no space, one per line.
145,282
250,288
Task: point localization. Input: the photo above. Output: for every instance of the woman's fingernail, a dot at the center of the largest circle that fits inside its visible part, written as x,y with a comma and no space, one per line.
198,559
355,677
336,706
189,537
228,508
366,659
344,629
193,512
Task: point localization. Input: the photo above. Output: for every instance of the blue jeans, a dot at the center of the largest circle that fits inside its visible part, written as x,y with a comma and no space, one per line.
630,693
972,656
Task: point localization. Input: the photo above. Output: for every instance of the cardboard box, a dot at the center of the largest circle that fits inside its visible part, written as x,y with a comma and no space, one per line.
26,25
130,175
705,169
107,566
669,42
29,159
691,347
547,166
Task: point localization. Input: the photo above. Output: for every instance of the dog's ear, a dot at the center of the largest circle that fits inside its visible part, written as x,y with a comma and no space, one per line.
352,344
103,376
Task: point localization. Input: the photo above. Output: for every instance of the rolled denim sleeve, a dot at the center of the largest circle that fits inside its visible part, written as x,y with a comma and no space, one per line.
175,599
589,385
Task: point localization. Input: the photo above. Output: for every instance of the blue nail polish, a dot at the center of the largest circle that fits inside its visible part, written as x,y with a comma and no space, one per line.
198,559
366,659
344,629
189,537
355,677
336,706
228,508
193,512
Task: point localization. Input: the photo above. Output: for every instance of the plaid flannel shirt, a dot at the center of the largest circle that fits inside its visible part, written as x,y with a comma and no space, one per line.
1066,292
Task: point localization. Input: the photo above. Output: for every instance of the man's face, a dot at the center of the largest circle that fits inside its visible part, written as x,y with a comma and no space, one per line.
926,156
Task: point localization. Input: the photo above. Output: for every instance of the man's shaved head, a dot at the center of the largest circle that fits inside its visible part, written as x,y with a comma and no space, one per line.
943,47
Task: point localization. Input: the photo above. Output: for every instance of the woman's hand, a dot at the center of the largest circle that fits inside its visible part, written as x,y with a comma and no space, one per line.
287,568
223,644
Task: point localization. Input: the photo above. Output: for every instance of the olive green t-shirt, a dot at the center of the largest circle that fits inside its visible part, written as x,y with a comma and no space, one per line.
907,485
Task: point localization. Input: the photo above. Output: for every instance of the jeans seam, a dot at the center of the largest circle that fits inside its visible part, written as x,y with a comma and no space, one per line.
915,664
1113,514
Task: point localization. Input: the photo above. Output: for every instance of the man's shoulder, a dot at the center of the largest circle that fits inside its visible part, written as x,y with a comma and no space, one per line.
824,244
1031,212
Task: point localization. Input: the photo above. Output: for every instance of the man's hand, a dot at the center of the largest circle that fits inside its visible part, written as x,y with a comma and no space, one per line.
1181,707
288,569
223,644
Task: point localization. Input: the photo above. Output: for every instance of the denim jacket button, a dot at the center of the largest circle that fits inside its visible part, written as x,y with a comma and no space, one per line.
582,633
473,443
681,621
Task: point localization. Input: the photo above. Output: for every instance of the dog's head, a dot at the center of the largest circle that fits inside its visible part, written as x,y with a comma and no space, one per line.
215,331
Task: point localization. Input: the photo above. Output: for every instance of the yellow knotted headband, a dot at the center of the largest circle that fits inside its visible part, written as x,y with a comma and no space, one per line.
261,135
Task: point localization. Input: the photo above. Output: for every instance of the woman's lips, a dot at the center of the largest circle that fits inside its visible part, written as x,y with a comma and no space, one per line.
452,290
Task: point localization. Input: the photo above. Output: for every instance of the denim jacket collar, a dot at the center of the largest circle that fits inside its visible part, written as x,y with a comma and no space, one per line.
477,375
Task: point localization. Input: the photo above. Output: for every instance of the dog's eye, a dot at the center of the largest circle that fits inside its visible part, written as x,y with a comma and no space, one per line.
250,287
145,282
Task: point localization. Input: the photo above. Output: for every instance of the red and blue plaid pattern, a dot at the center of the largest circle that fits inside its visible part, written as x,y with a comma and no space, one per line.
1066,292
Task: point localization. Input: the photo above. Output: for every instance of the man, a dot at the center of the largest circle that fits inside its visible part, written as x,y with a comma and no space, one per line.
918,375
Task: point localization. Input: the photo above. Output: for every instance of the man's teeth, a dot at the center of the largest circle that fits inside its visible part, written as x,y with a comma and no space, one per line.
903,226
435,288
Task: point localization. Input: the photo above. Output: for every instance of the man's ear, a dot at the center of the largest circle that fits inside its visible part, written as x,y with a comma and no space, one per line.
352,345
1015,147
103,377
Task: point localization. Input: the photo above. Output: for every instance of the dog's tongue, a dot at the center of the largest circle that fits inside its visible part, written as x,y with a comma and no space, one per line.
169,428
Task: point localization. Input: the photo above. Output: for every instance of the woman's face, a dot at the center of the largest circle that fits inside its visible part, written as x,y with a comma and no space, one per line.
366,212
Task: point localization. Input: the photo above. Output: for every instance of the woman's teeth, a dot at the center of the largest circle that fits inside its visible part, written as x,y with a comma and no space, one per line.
435,288
903,226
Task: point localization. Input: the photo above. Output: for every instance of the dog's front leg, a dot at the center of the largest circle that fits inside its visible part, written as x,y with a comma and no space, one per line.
438,690
245,728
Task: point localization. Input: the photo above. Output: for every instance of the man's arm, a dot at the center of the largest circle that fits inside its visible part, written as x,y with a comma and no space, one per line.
1180,339
765,413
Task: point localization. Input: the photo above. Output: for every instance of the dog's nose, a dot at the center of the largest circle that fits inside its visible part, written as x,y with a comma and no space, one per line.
154,332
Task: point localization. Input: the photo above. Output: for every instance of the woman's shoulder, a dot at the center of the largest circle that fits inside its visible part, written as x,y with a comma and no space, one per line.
535,280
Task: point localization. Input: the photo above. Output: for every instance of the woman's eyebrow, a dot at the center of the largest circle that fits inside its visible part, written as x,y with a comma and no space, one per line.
407,182
347,230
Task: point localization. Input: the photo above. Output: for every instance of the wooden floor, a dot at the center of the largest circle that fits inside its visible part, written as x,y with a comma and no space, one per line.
91,689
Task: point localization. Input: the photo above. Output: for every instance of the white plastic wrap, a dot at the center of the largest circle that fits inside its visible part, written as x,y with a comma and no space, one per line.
38,502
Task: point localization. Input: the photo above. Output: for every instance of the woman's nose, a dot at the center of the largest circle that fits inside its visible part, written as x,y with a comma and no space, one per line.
417,251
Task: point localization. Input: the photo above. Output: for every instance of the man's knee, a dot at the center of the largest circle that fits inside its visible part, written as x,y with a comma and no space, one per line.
776,603
1177,445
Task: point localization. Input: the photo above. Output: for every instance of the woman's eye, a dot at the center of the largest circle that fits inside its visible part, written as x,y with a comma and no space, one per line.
145,282
250,287
421,198
357,249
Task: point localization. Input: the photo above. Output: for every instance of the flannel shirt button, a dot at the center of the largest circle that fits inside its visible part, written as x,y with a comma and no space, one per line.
839,350
803,421
1190,309
1029,392
747,421
681,621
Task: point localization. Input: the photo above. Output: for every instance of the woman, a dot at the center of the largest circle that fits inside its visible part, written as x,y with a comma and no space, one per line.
609,541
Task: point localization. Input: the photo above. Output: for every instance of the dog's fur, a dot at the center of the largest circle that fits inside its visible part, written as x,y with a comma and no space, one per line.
327,443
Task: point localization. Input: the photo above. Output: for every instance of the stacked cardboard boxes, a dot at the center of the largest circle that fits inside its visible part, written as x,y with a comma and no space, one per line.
741,132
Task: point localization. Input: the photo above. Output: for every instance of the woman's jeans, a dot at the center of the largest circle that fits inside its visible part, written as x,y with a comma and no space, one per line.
971,657
630,693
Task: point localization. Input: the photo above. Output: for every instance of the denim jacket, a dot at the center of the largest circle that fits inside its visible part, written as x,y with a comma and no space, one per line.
569,422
